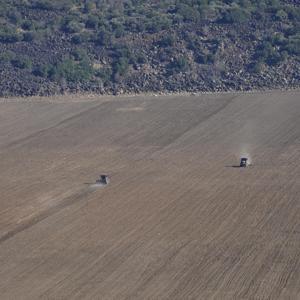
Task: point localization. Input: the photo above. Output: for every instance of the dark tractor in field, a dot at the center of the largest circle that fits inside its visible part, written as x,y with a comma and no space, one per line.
103,179
244,162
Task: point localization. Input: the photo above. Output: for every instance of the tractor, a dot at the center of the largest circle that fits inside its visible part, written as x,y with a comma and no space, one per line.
244,162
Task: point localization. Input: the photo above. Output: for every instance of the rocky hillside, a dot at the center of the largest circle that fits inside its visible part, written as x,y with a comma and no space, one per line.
117,46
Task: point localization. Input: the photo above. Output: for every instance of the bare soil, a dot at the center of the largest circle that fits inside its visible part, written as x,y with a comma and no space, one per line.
177,221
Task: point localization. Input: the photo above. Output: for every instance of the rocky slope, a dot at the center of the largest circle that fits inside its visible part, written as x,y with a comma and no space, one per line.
49,47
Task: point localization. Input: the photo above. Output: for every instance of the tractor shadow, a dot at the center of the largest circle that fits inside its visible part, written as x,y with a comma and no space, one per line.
234,166
239,167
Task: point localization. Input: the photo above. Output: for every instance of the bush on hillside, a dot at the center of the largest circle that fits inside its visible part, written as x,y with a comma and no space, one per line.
9,35
179,64
22,62
71,71
236,15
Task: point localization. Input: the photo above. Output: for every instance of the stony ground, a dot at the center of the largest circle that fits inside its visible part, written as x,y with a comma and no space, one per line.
50,47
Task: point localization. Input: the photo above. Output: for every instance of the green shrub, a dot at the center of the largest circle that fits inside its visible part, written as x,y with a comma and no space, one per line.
4,8
88,7
22,62
255,67
137,24
264,51
80,38
141,58
14,16
205,58
71,71
104,73
43,4
167,41
80,54
9,35
293,13
188,13
92,22
27,25
29,36
278,40
293,46
120,66
180,64
103,38
118,30
281,15
72,26
52,4
269,54
157,24
275,58
121,50
42,70
7,56
236,15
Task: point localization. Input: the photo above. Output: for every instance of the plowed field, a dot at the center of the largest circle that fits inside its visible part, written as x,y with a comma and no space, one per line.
178,220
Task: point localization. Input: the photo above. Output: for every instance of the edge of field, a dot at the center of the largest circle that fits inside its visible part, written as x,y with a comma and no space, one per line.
86,97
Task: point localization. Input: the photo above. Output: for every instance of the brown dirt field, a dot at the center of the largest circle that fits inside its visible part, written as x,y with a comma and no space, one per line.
177,220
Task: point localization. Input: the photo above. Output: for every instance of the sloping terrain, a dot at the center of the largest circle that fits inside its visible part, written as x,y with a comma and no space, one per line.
177,221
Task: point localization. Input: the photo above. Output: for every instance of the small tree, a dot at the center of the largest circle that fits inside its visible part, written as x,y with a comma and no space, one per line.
22,63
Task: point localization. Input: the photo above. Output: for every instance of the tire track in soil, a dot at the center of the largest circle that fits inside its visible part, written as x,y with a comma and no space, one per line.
68,201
